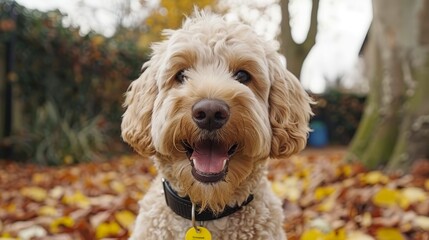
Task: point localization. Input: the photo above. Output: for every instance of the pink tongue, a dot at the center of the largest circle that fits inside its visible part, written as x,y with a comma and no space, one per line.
209,157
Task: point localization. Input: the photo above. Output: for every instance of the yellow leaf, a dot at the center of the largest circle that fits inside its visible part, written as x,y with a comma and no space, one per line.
65,221
68,159
107,229
366,219
304,173
344,170
330,236
125,218
117,186
78,199
327,205
287,189
56,192
341,234
422,222
10,208
414,195
6,236
48,211
388,234
386,197
279,189
358,236
374,177
313,234
38,178
322,192
347,170
35,193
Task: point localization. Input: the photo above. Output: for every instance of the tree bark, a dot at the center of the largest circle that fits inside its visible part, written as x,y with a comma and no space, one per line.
394,130
296,53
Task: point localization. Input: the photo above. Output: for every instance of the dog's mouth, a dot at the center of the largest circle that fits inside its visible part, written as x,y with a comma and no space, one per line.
209,159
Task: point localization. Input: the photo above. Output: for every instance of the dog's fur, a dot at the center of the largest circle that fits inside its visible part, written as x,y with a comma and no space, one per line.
269,119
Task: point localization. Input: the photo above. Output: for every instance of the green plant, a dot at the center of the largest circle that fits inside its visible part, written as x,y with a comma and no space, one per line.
54,139
81,77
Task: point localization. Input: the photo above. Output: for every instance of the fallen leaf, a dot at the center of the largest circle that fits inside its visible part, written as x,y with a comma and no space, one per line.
58,223
358,235
414,195
107,229
386,197
326,205
388,234
374,177
57,192
320,224
117,186
48,211
322,192
422,222
35,231
39,178
125,218
313,234
77,198
366,219
288,188
34,193
344,170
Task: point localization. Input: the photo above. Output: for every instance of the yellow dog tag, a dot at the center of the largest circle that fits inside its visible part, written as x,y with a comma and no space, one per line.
202,234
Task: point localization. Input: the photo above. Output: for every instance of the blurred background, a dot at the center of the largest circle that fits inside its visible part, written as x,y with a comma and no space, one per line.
65,65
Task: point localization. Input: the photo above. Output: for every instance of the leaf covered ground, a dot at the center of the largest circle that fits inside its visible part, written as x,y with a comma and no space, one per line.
323,199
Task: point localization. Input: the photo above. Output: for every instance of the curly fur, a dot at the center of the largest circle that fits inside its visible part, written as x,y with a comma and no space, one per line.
269,119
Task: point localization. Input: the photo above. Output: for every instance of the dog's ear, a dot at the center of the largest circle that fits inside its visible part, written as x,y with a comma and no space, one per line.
136,121
289,110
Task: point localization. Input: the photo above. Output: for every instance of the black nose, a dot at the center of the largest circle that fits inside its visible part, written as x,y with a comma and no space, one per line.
210,114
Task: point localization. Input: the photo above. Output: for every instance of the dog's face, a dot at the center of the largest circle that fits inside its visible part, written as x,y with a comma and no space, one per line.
213,103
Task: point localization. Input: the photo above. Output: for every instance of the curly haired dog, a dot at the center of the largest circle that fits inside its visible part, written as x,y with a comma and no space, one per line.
212,105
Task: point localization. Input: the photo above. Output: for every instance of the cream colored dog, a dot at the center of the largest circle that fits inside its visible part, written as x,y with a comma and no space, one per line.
212,105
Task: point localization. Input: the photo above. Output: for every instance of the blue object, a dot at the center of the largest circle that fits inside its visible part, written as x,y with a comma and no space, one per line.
319,136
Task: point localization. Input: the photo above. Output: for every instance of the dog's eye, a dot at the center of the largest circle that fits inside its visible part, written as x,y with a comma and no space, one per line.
180,76
242,76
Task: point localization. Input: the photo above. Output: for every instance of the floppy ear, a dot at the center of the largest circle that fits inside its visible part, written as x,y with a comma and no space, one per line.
136,121
289,111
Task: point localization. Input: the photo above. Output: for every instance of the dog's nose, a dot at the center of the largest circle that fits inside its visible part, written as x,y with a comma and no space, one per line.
210,114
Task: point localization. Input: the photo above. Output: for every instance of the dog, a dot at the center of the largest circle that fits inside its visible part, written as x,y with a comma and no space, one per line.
213,104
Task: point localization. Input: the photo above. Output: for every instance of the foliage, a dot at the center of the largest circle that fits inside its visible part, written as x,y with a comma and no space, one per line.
341,112
169,15
323,199
83,77
54,139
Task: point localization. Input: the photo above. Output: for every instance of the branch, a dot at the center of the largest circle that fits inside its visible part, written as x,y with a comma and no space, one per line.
286,31
312,32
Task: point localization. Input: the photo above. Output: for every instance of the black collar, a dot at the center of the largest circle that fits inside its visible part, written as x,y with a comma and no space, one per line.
183,206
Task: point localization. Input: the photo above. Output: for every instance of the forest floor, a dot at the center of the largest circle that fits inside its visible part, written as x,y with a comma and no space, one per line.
323,197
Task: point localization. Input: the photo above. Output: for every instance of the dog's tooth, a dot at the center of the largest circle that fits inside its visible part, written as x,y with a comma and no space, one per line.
224,162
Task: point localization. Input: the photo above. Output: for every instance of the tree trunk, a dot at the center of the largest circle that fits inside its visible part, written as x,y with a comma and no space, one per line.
296,53
394,130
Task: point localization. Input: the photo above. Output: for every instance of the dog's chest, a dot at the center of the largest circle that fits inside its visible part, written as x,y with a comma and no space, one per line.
261,219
